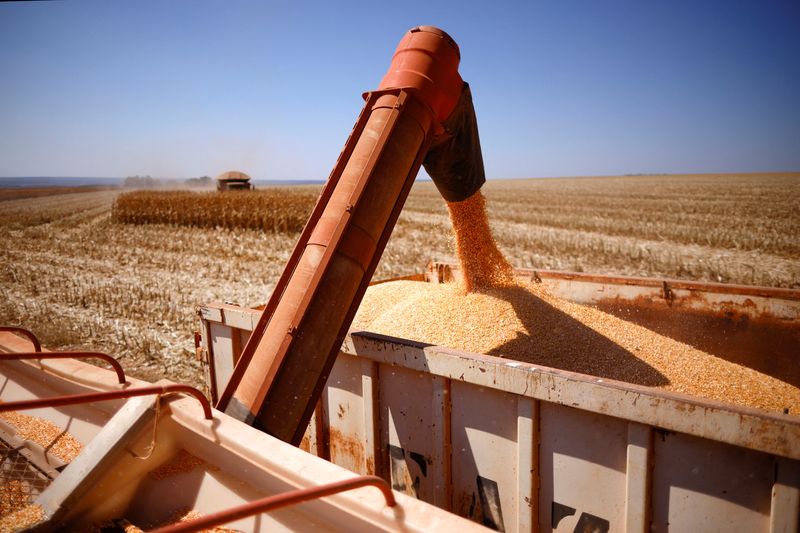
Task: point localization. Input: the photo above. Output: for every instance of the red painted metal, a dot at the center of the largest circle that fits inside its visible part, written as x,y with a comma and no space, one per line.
302,242
425,63
68,355
283,369
37,346
90,397
286,499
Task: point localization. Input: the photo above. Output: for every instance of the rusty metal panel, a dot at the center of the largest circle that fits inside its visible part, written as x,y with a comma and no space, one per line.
527,463
204,352
564,448
638,479
494,416
582,470
751,428
344,415
370,393
225,329
484,436
785,507
441,434
700,485
406,417
224,341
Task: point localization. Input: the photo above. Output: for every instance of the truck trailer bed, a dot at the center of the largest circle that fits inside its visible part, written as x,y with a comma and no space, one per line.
519,447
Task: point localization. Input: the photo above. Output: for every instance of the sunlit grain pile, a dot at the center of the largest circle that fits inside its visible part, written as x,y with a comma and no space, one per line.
13,496
44,433
21,519
525,323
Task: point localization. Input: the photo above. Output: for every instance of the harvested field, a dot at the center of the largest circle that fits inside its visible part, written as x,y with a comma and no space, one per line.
723,228
18,193
81,281
525,323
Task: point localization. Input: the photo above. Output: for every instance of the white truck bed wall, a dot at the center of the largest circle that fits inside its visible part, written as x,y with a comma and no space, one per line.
518,447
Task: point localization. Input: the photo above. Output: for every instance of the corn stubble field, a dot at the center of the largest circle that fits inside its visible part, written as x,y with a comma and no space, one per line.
82,278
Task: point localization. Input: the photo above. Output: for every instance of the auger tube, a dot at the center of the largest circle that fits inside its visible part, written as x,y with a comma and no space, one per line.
421,102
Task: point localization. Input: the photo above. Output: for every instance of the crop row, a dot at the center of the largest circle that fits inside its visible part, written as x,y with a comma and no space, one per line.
275,210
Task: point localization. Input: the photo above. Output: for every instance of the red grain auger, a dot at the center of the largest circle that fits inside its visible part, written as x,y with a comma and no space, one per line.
421,113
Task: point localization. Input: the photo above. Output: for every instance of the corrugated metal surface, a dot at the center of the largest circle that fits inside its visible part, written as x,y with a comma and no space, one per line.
519,447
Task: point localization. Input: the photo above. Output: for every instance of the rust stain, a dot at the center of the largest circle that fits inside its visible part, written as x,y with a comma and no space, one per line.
305,444
347,451
528,502
692,301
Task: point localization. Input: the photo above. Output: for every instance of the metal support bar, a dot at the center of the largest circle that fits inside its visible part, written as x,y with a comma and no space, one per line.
672,284
37,346
67,355
639,478
783,516
58,401
280,500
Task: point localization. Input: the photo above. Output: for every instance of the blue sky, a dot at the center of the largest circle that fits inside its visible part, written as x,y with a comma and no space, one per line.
563,88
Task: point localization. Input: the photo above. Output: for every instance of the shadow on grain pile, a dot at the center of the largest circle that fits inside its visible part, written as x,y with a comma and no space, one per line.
523,322
555,339
768,344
